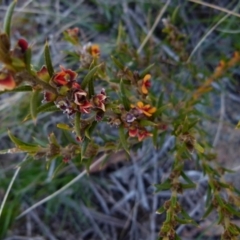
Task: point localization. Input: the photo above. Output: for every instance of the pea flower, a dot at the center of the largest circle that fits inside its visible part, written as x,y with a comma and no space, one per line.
6,81
79,96
65,106
99,100
95,50
146,84
142,134
64,77
132,131
147,109
85,107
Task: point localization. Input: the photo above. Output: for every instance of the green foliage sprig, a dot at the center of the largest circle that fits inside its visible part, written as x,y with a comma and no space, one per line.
128,102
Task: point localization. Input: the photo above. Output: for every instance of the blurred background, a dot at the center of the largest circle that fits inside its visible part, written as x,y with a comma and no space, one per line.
117,201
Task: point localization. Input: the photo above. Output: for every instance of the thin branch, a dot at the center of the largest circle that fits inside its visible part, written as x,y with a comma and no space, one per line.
10,187
160,14
220,125
206,35
216,7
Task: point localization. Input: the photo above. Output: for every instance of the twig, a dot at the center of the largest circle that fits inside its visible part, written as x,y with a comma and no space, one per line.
165,48
42,226
206,35
215,7
129,25
154,200
83,173
220,125
160,14
10,187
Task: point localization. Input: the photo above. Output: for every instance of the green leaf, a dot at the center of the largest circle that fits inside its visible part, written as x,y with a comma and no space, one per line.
89,76
198,147
123,139
52,139
160,100
146,70
186,178
160,210
90,88
33,104
18,89
48,60
84,147
220,217
125,101
208,211
161,109
77,124
193,123
117,63
166,185
183,221
238,125
89,129
8,18
188,185
232,210
28,147
64,126
47,107
145,123
187,217
58,168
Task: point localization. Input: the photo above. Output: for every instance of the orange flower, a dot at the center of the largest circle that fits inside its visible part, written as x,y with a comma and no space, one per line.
63,77
147,109
6,81
146,84
95,50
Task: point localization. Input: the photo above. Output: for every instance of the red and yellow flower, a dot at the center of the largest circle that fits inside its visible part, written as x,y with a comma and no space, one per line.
85,107
132,131
6,81
147,109
64,77
140,133
146,84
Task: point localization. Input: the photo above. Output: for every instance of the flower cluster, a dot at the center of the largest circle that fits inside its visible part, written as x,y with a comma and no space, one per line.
72,97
